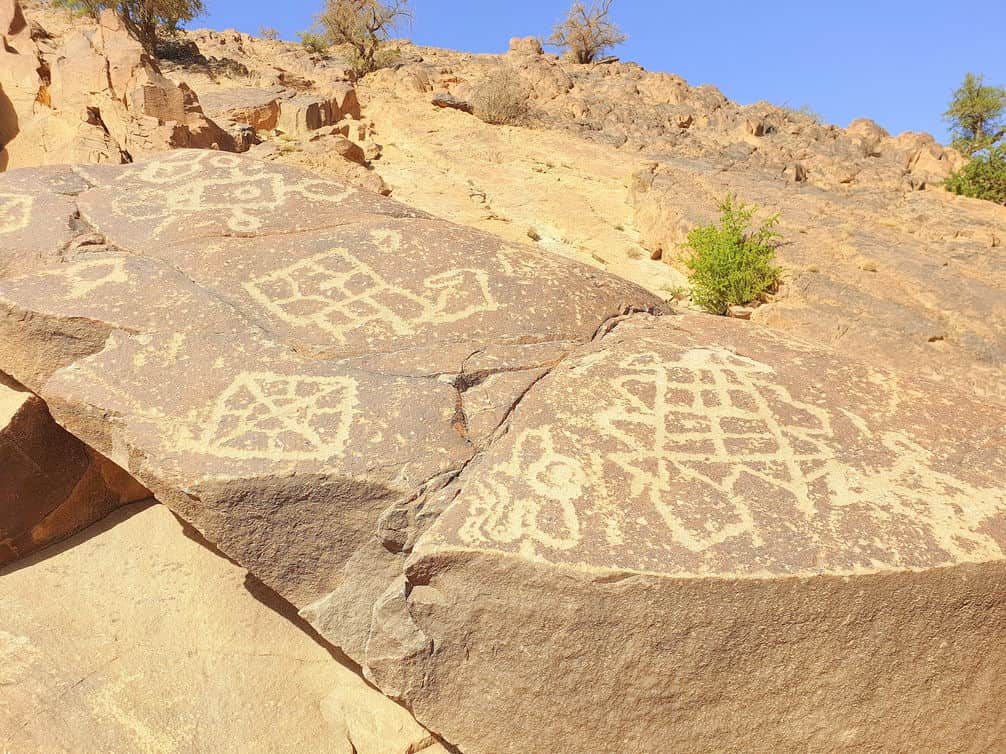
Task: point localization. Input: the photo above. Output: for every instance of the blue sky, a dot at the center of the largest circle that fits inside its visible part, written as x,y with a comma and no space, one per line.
895,61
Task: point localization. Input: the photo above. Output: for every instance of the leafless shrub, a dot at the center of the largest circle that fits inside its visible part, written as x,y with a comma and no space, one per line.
587,31
502,98
363,25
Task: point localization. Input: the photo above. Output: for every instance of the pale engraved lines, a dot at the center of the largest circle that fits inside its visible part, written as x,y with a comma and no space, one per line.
243,190
262,415
86,277
15,212
528,499
707,414
339,293
951,510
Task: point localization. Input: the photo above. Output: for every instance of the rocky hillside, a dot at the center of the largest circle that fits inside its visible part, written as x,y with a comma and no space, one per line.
617,164
469,441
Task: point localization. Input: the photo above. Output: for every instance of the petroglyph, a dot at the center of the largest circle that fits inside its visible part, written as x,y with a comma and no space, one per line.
281,417
709,417
85,278
339,293
541,509
187,185
15,212
716,419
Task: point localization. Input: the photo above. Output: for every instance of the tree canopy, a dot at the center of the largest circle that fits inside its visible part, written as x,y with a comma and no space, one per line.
145,19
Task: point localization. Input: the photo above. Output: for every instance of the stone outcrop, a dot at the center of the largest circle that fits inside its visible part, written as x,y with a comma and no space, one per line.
540,516
95,96
912,284
51,484
258,108
135,636
369,324
702,536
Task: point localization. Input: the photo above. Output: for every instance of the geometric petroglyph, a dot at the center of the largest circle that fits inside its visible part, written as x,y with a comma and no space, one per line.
278,417
338,293
713,418
15,212
86,277
529,498
243,192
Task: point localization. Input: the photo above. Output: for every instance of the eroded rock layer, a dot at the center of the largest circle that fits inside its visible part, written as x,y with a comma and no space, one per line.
51,484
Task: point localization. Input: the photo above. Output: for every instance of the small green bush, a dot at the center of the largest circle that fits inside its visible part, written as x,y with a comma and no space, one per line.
314,43
730,264
984,177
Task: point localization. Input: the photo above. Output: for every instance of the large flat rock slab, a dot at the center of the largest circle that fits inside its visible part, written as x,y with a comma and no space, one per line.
284,360
146,640
701,535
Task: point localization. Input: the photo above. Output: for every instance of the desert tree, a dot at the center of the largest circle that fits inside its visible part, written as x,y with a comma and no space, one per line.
362,25
587,31
145,19
975,115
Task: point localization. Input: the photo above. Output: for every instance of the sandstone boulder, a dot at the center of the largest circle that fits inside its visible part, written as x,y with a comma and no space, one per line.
343,103
702,536
97,97
301,114
345,332
135,636
525,47
51,484
258,108
499,484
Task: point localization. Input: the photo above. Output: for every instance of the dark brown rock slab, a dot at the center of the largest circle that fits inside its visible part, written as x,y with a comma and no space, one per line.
698,534
51,484
285,361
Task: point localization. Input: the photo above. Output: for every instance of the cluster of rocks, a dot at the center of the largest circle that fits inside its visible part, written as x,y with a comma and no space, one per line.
657,115
534,506
92,96
905,278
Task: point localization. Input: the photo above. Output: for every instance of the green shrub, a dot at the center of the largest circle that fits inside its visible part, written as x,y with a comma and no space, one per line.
730,264
975,115
984,177
313,43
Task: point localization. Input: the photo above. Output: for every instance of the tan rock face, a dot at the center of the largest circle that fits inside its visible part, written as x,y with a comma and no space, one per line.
146,640
344,329
51,484
699,535
92,96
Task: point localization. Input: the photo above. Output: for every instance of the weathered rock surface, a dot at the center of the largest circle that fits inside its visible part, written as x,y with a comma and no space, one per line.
51,484
133,636
92,96
914,284
320,340
698,535
258,108
543,521
617,170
